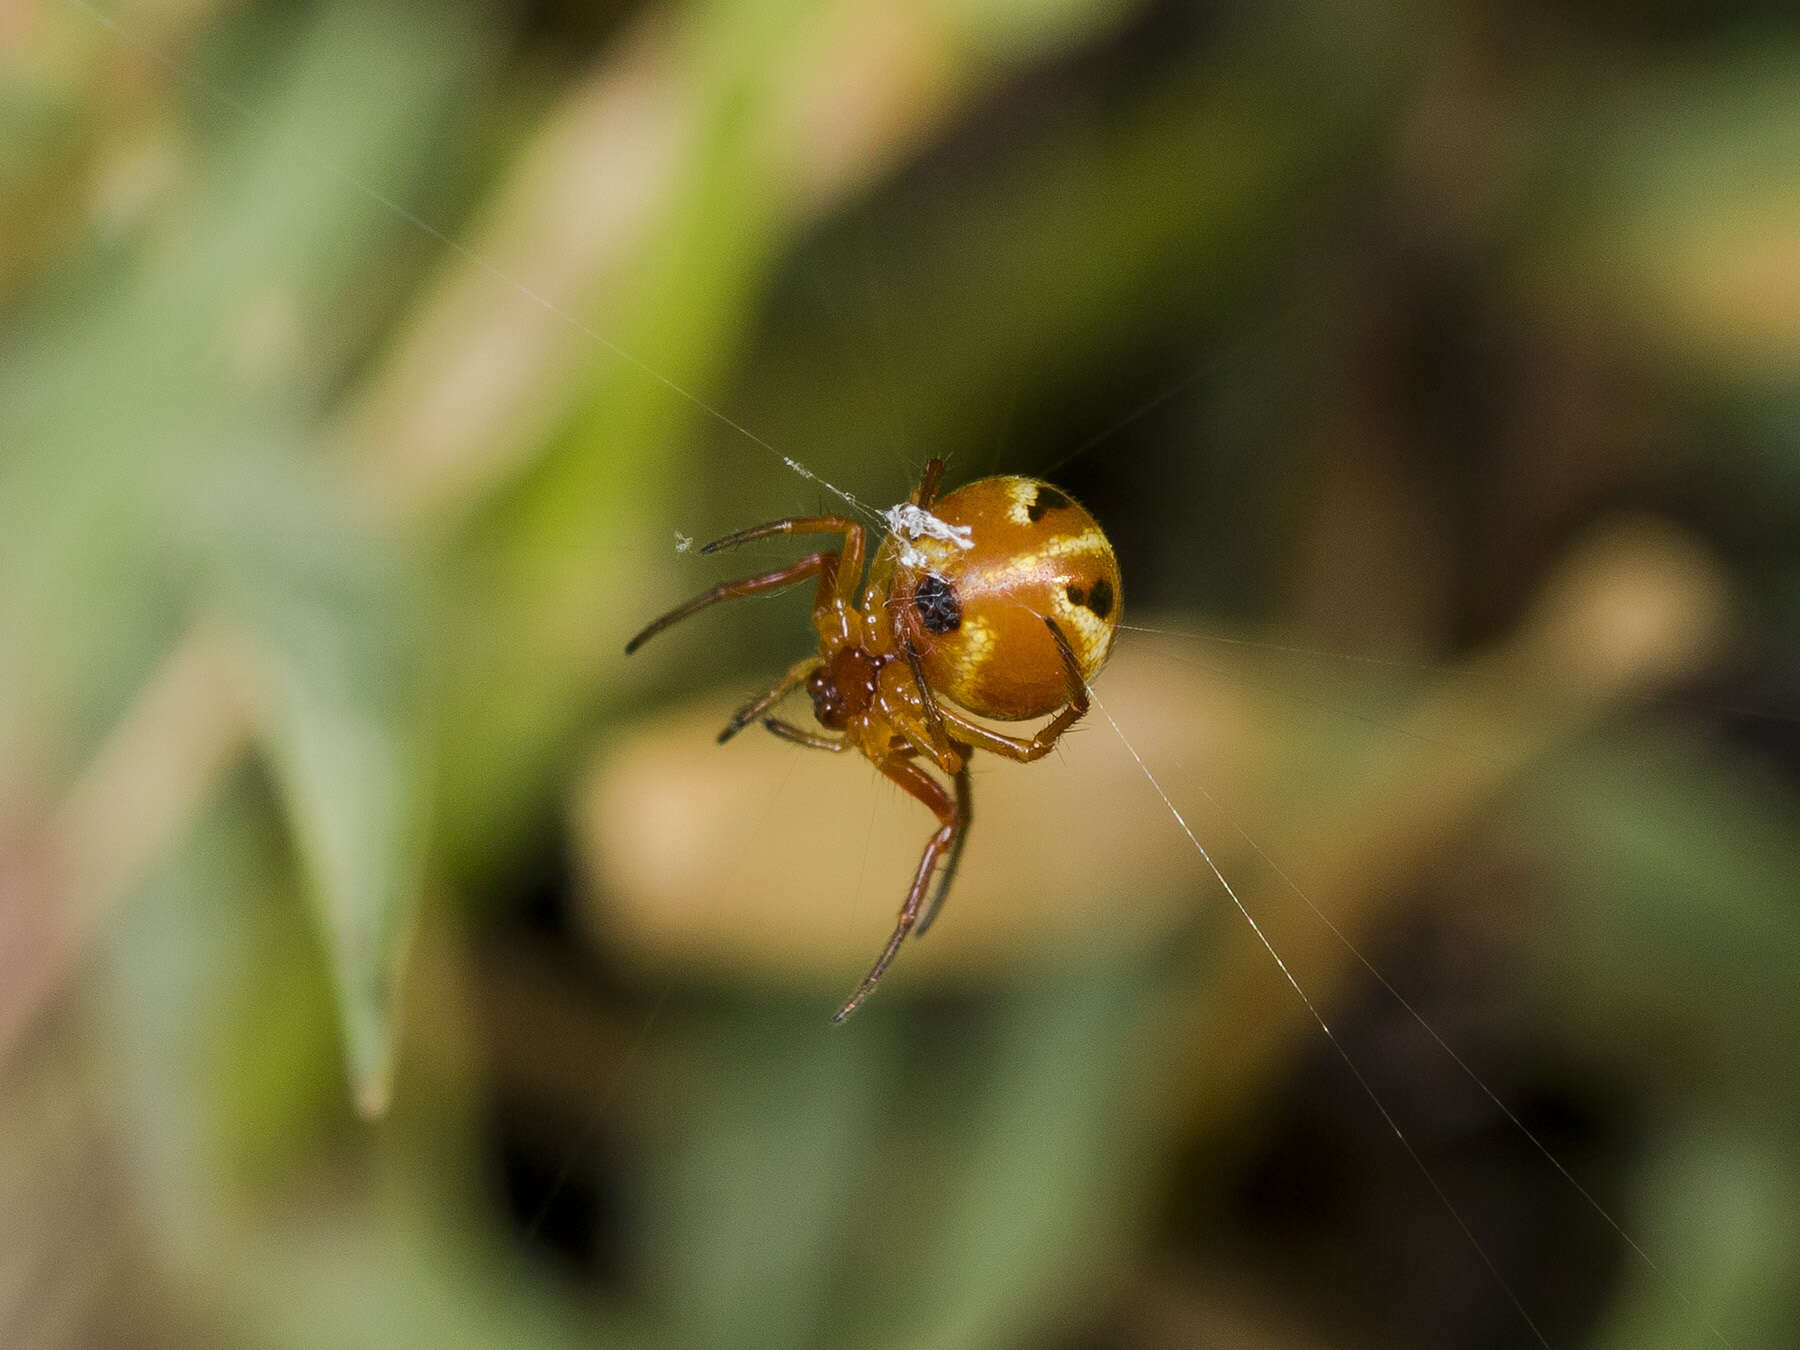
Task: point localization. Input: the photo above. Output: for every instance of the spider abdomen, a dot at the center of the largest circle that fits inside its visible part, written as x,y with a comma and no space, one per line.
976,615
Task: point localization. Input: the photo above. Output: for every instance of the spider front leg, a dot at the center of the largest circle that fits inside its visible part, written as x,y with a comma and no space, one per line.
813,564
838,573
953,818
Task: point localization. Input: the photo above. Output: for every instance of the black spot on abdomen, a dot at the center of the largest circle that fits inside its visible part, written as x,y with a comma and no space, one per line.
937,604
1099,599
1047,499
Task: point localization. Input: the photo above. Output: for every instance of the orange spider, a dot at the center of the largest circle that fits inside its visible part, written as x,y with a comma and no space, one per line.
1001,598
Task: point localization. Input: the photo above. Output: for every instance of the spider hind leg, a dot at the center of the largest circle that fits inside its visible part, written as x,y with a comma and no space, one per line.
966,815
953,819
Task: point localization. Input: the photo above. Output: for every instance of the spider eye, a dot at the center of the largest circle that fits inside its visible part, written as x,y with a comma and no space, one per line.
937,604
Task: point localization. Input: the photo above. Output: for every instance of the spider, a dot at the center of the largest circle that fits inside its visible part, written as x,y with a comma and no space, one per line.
1002,598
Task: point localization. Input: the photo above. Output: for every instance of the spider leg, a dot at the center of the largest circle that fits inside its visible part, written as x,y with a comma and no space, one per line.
948,755
839,573
910,708
926,493
965,816
1041,743
757,706
928,790
952,756
789,732
813,564
934,720
791,525
835,586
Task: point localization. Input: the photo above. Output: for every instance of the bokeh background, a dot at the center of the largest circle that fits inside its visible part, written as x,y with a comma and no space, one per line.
386,961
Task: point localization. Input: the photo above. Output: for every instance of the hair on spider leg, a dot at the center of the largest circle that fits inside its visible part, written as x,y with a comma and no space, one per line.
938,627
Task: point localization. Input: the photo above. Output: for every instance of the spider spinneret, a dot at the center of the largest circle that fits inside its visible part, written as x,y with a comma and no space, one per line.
1005,608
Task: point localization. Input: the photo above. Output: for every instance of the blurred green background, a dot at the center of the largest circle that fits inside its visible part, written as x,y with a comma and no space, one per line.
386,961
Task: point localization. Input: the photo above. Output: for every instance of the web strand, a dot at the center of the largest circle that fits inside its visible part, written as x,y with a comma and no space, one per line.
469,255
591,1126
1112,429
1331,706
1325,1027
1438,667
1462,1064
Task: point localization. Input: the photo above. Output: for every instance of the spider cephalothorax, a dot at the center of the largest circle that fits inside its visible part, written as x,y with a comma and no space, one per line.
1005,606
